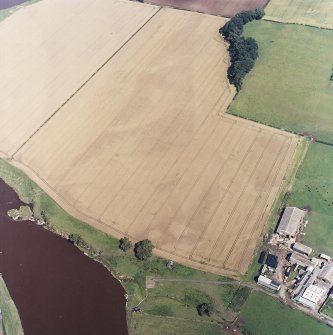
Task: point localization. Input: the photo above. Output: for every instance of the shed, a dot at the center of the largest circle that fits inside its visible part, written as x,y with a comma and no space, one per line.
326,273
326,257
291,219
301,248
273,285
272,261
262,257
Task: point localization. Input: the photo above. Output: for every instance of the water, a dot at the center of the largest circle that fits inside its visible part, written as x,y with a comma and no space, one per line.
56,288
4,4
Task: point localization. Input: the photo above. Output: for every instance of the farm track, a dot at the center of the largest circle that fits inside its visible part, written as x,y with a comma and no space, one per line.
143,147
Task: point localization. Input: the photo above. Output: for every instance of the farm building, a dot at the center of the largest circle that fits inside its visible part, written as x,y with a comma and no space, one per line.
301,248
273,285
312,296
325,257
291,219
326,274
272,261
300,260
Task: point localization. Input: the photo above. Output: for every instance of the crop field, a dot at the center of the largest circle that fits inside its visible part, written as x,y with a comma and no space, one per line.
49,51
290,86
143,150
317,13
225,8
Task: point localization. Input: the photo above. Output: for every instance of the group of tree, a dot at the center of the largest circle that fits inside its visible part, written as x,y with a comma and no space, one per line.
142,249
243,51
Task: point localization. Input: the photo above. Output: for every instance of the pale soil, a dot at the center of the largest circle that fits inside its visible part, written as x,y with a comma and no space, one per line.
144,149
317,13
48,50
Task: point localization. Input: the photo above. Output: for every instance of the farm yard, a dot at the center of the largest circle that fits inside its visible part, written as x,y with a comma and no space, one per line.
290,86
317,13
225,8
140,146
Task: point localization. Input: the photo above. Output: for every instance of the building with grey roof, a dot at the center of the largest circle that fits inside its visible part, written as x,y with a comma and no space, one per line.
301,248
290,221
326,273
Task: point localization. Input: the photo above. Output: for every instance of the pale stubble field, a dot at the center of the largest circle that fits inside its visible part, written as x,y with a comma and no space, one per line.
144,149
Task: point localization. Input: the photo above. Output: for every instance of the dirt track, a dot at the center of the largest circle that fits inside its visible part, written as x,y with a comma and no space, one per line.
143,148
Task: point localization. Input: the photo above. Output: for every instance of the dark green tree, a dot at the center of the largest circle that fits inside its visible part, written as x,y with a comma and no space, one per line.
205,309
143,249
125,244
243,52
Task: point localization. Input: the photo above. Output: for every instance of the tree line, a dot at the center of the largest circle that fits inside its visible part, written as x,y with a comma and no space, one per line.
243,51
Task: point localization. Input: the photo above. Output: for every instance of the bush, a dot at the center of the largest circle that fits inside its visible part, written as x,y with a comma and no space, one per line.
125,244
243,52
143,249
205,309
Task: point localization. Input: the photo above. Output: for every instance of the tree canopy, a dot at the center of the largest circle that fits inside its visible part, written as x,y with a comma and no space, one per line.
125,244
243,51
143,249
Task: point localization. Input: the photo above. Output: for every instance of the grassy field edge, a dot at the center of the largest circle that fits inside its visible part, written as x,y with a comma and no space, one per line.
10,317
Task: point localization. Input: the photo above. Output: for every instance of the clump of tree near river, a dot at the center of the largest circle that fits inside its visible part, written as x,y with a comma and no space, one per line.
243,51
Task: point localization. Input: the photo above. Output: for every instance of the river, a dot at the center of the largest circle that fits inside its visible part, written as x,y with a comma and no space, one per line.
4,4
56,288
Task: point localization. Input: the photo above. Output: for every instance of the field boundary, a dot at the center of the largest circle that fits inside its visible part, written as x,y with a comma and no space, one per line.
84,84
273,20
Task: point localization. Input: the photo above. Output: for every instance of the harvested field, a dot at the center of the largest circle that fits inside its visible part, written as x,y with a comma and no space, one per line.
49,51
225,8
143,149
317,13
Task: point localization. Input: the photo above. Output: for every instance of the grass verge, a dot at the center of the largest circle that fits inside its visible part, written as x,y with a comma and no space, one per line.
10,318
4,13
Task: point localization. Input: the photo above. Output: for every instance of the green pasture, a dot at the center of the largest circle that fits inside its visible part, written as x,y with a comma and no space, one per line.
313,189
263,315
290,86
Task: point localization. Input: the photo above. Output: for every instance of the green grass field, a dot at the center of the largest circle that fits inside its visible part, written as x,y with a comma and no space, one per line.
313,188
308,12
264,316
155,325
290,85
10,317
